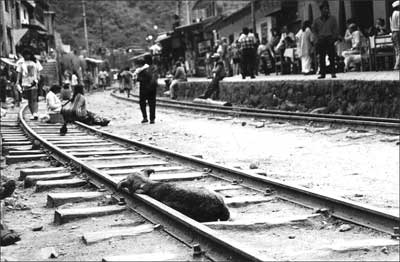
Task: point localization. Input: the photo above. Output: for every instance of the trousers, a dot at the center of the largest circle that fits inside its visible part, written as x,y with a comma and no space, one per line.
31,94
325,46
147,97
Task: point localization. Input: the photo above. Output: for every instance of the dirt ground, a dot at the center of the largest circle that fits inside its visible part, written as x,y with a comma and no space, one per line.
358,165
362,166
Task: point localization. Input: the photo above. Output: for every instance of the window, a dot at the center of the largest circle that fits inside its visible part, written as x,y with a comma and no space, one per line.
6,5
17,10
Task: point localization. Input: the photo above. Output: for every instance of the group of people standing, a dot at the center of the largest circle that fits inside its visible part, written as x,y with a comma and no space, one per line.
319,38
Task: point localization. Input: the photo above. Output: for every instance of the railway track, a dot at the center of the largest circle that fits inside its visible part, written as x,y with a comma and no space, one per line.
391,123
270,219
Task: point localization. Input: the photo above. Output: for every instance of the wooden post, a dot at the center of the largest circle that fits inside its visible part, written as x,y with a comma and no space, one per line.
4,29
85,28
253,16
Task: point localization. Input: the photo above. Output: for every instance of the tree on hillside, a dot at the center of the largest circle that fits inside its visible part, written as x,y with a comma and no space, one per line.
124,23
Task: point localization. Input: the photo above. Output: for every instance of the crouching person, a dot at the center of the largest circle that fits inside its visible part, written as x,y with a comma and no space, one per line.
199,204
75,110
180,76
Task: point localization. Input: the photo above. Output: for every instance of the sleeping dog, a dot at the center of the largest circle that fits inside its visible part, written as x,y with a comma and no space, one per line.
199,204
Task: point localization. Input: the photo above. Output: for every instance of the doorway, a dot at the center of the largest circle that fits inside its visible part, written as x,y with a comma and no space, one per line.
363,13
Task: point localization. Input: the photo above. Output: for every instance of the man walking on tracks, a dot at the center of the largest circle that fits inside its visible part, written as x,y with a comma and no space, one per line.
148,79
28,76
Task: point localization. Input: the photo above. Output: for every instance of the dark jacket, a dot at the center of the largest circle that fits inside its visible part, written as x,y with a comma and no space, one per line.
148,79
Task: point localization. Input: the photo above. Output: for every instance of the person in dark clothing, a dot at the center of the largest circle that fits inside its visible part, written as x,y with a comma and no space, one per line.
247,43
15,92
148,79
219,74
326,31
4,76
7,236
75,110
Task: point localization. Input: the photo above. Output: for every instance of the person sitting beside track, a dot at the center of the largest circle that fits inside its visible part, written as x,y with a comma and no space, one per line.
180,76
53,106
75,110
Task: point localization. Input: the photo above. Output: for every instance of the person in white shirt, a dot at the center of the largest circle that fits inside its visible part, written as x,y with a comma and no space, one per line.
54,106
305,47
74,80
285,36
52,101
29,74
395,28
352,57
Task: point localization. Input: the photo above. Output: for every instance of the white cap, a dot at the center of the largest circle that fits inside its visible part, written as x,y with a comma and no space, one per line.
396,3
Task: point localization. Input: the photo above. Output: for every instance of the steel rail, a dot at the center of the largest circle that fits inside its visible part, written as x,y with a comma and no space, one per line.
358,213
216,246
275,114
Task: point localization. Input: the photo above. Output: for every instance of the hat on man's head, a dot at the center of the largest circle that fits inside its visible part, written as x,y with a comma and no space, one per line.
396,4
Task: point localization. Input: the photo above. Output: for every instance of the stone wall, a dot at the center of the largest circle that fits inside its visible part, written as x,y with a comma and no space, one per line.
349,97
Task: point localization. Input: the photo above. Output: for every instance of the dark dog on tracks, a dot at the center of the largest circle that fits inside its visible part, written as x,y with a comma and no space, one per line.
199,204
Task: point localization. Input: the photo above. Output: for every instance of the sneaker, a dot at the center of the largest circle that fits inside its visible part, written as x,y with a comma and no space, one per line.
334,76
321,77
34,118
151,121
144,121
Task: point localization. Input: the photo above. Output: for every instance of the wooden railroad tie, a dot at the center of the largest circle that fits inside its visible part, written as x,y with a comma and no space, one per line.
38,171
58,199
45,185
62,216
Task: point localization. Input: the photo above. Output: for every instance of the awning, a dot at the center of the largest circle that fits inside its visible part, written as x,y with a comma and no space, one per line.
30,2
35,24
93,60
189,26
40,32
141,56
162,37
18,34
9,61
200,24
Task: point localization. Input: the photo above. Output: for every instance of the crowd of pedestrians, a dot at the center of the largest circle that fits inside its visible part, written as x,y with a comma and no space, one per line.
305,51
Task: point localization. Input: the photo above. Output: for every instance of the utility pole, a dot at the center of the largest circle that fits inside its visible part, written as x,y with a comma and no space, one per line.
85,28
253,16
188,13
180,10
102,31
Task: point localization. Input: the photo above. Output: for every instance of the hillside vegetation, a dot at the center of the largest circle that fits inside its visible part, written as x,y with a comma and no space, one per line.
125,23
